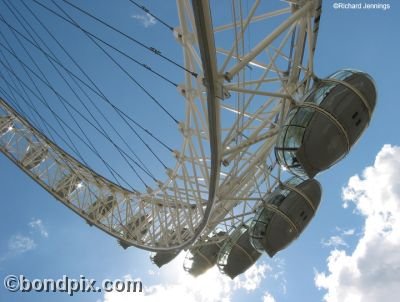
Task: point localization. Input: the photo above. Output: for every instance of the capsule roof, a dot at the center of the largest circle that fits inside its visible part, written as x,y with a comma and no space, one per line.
285,214
201,258
237,254
321,130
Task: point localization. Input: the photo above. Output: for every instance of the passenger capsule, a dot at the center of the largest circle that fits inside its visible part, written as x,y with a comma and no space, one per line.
321,130
163,257
285,214
201,258
237,254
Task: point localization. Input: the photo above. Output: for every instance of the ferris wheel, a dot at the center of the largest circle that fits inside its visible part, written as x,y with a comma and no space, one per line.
257,126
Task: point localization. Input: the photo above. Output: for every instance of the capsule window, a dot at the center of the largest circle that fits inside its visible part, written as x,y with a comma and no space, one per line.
358,122
354,115
302,214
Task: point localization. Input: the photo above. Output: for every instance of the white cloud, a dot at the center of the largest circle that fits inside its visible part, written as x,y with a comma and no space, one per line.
252,278
147,20
181,287
152,272
278,272
19,244
335,241
371,271
268,297
37,225
209,287
349,232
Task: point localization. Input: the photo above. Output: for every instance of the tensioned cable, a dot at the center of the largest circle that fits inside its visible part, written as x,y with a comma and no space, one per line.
16,105
139,85
43,98
85,84
79,79
12,96
82,116
147,67
75,149
133,79
33,82
77,96
149,48
147,11
73,22
61,138
86,75
97,91
12,101
44,102
72,130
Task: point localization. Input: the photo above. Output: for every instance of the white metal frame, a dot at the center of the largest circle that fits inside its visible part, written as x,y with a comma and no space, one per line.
222,170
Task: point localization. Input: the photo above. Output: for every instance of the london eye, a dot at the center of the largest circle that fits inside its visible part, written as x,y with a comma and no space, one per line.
213,150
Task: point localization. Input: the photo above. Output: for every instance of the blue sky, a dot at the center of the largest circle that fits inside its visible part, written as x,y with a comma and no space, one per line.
348,253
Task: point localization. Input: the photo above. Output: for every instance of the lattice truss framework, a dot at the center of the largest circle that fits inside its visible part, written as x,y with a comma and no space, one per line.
257,81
